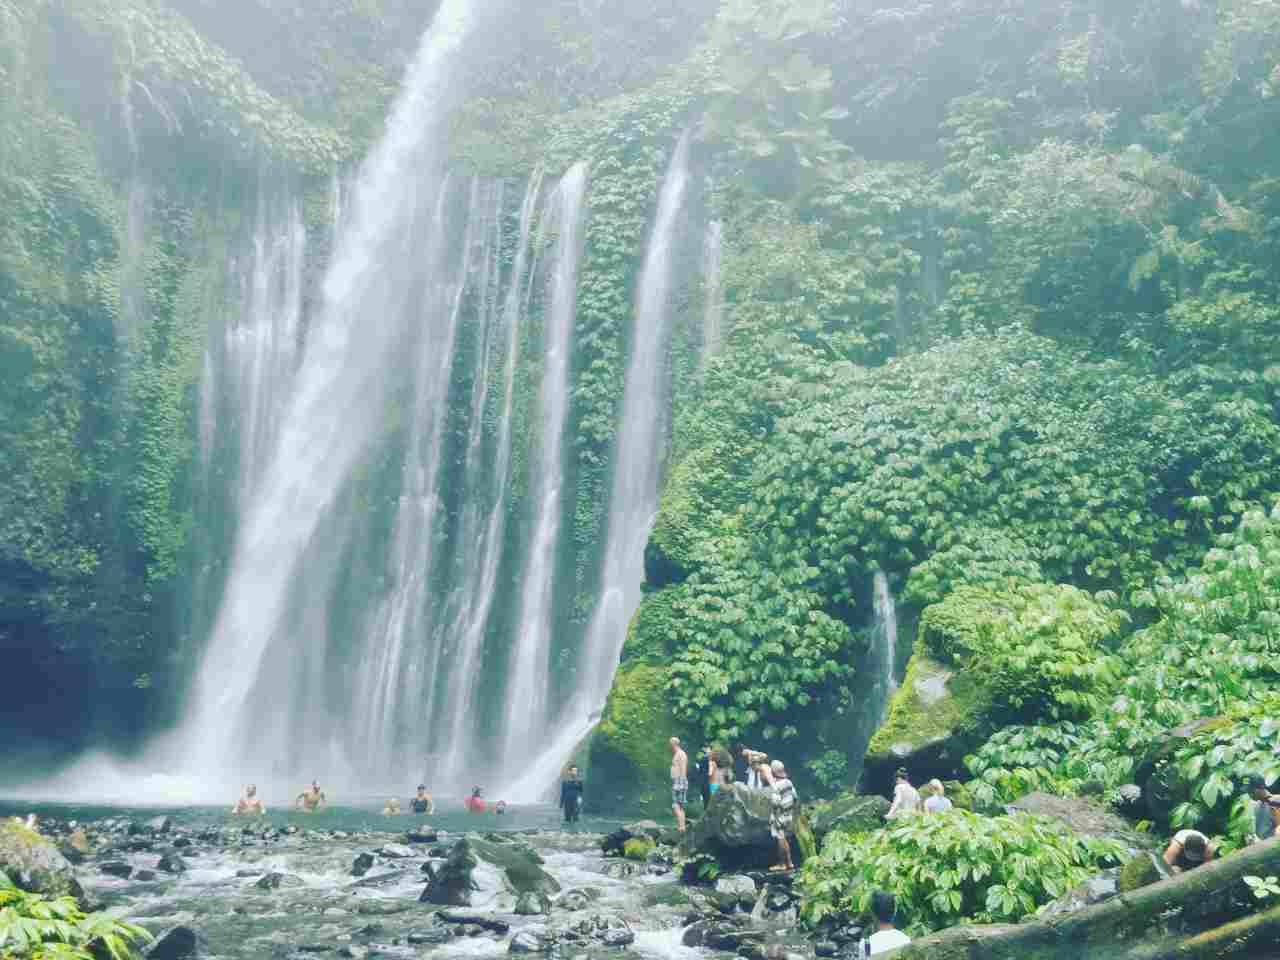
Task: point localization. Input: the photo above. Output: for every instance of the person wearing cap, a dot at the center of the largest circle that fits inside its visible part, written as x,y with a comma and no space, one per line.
1266,809
906,798
1187,850
782,814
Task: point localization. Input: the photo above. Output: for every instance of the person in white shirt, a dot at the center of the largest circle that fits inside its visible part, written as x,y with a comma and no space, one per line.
887,936
906,799
937,802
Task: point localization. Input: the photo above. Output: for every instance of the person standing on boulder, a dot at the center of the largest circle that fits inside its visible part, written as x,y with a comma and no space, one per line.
571,788
782,815
679,782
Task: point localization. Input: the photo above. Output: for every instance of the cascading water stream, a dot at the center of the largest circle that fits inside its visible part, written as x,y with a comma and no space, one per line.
527,714
885,634
479,591
396,669
637,478
372,293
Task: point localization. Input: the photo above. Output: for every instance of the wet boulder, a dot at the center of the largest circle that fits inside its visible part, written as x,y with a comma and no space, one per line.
177,943
735,828
856,813
362,863
1085,818
579,898
160,824
479,873
397,851
735,891
34,863
116,868
532,940
533,903
172,863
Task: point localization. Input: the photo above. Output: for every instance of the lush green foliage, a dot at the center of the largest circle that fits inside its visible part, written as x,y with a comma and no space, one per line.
1210,656
1040,646
953,867
35,928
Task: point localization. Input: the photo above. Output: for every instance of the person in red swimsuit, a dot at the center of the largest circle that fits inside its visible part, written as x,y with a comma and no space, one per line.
475,803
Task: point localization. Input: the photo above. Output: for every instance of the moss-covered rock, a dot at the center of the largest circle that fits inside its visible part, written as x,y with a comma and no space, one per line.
638,848
855,813
629,754
34,864
1142,871
938,715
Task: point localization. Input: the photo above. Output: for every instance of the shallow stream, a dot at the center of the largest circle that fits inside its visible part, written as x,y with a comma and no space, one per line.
321,910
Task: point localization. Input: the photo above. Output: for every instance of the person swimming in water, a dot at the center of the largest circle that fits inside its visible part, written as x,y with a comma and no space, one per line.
500,808
249,803
475,803
422,802
310,799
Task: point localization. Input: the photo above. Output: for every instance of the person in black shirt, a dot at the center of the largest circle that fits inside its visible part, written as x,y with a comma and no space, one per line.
422,803
571,794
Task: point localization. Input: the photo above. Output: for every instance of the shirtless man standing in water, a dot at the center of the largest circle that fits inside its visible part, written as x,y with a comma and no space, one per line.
679,782
310,799
249,803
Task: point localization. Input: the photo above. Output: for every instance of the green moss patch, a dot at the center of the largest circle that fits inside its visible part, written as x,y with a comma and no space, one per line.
630,754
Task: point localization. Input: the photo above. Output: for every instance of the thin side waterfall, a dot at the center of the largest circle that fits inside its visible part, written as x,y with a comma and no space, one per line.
637,476
374,293
713,308
527,714
398,665
480,589
885,634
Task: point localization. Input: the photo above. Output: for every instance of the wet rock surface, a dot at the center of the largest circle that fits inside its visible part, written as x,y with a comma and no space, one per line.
234,890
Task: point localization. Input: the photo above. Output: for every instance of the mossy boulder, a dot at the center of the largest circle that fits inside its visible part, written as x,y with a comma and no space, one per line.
630,753
638,848
852,812
1142,871
939,714
484,873
34,863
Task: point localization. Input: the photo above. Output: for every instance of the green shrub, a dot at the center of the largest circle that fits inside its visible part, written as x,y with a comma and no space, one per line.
830,768
33,927
638,848
1039,647
949,868
1019,760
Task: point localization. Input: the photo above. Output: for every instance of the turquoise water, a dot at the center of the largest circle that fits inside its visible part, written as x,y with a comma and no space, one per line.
349,817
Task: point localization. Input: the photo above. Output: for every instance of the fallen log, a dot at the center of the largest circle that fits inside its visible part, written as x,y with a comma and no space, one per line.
1130,926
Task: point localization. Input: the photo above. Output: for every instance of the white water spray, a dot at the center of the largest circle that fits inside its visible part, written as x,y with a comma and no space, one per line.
637,477
338,409
526,701
885,633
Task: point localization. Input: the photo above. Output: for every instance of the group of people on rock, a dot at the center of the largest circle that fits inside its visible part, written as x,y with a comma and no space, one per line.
754,770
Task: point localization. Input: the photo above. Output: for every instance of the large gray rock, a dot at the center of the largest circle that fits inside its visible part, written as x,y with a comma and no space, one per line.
35,864
853,812
1085,818
735,828
177,943
735,891
479,873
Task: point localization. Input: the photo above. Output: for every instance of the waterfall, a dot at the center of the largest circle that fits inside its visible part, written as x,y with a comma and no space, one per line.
527,714
637,476
373,305
713,308
396,670
480,586
885,639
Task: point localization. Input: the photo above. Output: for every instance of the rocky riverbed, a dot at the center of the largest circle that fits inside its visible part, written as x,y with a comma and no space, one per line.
352,885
